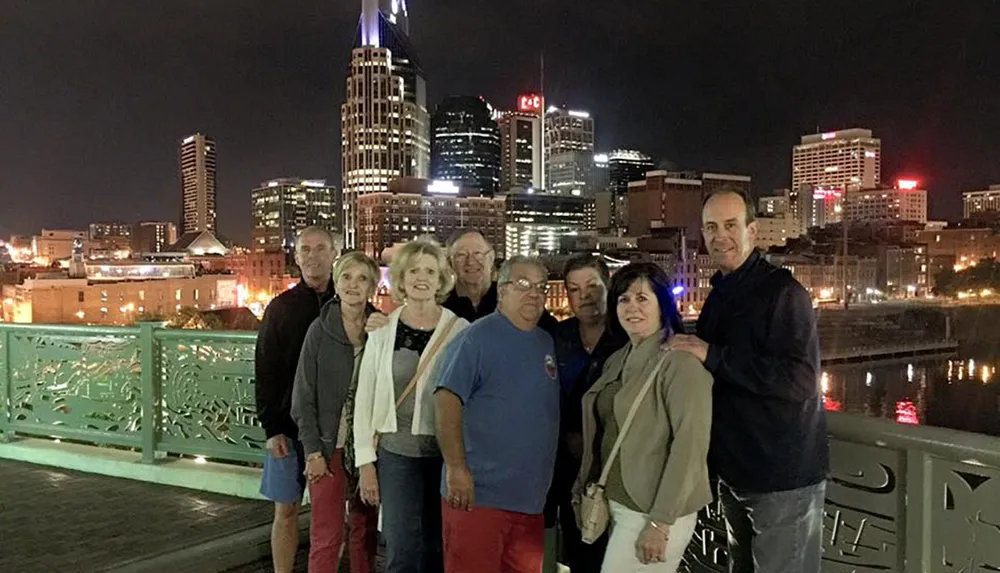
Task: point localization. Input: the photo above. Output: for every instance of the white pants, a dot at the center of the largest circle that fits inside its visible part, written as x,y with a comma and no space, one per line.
626,525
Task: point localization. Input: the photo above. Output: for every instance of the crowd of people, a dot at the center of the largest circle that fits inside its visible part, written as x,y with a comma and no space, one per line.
472,429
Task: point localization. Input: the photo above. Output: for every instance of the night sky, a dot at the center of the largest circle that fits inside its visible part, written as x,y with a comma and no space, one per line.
95,94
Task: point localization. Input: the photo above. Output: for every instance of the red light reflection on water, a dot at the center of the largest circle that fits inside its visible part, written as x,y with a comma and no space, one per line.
906,412
831,405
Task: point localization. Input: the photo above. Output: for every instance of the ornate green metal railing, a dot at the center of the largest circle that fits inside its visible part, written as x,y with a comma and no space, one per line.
149,388
901,498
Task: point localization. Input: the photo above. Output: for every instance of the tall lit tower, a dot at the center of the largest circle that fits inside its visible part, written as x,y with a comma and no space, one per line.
385,125
197,169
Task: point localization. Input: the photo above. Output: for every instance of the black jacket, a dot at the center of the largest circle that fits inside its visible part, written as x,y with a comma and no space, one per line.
769,426
279,343
462,306
578,371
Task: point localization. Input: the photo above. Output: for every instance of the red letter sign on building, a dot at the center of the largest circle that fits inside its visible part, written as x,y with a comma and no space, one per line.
531,103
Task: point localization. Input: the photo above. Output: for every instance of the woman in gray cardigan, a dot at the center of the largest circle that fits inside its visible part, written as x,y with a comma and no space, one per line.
322,405
659,479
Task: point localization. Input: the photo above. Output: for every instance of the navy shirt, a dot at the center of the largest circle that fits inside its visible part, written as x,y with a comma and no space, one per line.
508,382
768,422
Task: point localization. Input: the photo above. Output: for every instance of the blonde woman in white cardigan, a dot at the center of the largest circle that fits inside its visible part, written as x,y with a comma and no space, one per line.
395,447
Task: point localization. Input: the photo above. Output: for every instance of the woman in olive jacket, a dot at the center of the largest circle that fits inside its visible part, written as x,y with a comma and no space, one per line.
659,480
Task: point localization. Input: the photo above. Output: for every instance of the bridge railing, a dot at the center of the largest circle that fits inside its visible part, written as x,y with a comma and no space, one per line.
146,388
900,498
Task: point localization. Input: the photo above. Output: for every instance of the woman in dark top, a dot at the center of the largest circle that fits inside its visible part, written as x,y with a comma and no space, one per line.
582,343
394,410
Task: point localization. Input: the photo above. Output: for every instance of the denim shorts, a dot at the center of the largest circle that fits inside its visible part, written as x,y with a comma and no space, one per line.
284,479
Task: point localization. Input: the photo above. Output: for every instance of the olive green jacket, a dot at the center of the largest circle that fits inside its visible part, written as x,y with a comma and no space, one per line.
664,454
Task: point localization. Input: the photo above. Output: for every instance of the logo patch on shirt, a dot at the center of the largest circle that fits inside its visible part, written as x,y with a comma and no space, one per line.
550,366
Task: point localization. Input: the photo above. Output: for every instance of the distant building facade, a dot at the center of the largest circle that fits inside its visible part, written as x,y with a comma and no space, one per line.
118,294
153,236
539,223
668,199
283,207
465,144
903,203
979,202
412,208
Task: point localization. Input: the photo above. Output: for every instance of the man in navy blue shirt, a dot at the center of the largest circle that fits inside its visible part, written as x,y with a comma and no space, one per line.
497,414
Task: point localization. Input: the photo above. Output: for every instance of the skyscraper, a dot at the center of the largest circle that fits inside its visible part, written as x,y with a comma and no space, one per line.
197,167
520,150
845,160
465,144
385,128
569,151
568,130
283,207
625,166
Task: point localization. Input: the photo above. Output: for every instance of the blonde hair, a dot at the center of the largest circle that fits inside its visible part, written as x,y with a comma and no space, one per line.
356,258
407,256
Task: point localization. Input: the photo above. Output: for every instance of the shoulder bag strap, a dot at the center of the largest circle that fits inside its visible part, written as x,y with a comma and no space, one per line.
428,358
628,422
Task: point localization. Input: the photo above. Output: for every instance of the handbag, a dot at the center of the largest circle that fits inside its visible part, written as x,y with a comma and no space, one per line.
595,514
422,366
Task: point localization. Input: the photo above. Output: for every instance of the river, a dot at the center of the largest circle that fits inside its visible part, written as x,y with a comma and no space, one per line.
960,392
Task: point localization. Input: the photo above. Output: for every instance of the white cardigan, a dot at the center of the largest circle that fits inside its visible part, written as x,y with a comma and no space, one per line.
375,401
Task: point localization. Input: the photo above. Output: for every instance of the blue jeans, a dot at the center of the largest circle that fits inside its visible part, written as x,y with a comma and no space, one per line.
775,532
410,490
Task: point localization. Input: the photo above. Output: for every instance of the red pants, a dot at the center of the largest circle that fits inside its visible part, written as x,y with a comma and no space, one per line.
326,527
487,540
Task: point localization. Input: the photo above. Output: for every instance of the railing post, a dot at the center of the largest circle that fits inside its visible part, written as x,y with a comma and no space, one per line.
150,391
918,509
6,390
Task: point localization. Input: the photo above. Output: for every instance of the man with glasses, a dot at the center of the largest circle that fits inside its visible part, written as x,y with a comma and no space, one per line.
497,416
475,294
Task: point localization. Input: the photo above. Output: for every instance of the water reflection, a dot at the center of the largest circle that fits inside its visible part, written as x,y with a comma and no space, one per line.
958,393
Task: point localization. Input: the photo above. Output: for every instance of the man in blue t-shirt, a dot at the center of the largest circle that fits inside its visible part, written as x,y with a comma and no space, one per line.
497,415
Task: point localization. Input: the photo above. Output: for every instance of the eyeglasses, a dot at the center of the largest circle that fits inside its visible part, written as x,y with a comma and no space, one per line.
477,255
524,285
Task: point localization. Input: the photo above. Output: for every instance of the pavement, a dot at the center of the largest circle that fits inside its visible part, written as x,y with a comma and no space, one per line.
54,520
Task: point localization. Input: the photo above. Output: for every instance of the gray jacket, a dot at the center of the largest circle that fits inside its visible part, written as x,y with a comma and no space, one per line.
322,381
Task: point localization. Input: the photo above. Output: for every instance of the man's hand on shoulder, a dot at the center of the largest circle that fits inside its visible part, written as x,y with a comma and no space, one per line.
688,343
376,320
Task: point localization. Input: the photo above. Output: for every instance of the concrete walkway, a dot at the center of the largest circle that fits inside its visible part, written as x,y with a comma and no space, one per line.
54,520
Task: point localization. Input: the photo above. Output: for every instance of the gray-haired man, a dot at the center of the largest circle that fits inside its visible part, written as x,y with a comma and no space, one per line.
497,413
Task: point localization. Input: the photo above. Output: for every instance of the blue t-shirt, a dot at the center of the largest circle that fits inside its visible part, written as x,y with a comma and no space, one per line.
509,385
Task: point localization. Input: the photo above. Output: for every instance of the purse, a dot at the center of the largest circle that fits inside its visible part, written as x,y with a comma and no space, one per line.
595,514
427,359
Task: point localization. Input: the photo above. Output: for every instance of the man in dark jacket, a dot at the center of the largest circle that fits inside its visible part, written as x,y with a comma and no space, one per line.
757,336
279,342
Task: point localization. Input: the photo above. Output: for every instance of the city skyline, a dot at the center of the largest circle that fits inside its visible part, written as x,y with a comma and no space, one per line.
94,112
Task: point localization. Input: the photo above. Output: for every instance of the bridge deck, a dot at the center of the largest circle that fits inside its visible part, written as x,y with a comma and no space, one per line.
61,520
